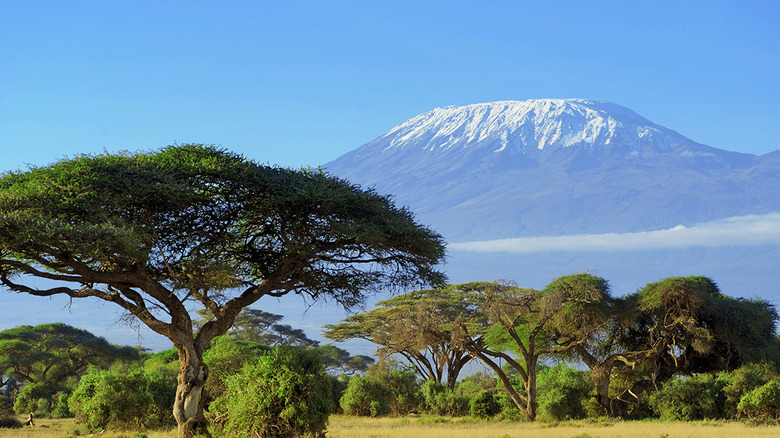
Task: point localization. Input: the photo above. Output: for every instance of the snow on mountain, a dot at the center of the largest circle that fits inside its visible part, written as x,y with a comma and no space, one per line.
533,124
552,167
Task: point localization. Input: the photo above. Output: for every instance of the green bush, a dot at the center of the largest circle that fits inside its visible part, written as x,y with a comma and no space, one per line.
226,357
365,398
37,398
762,403
123,400
739,382
563,393
402,383
60,408
484,405
286,393
687,399
437,399
477,382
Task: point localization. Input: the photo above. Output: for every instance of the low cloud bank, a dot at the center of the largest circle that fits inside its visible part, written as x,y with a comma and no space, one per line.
738,230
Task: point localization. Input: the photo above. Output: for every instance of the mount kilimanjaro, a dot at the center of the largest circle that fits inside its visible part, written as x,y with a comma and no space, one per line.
557,167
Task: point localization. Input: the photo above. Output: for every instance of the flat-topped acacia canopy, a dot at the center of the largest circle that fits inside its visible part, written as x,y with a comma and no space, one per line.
149,231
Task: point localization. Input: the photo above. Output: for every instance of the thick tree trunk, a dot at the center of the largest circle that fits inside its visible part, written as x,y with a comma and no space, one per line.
601,378
188,405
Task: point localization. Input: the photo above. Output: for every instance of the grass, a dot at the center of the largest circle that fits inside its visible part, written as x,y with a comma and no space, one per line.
443,427
58,428
359,427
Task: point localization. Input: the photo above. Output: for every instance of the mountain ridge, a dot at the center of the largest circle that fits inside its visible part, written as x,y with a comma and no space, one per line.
556,166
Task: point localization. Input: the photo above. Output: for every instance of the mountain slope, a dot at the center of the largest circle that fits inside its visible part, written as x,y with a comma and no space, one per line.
552,167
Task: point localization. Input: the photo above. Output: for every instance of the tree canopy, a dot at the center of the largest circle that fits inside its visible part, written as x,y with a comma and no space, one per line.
151,231
402,325
54,352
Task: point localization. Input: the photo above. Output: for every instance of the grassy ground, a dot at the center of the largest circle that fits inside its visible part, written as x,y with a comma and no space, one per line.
437,427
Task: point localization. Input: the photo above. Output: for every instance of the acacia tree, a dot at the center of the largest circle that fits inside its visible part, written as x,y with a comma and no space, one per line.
676,326
499,321
54,353
152,231
262,327
400,325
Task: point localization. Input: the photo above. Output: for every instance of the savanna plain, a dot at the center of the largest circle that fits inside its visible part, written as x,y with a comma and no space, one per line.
441,427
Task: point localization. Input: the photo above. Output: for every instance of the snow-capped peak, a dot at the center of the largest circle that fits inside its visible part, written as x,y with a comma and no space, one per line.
532,124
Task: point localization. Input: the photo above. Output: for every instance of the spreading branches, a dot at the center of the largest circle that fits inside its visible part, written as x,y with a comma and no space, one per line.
150,231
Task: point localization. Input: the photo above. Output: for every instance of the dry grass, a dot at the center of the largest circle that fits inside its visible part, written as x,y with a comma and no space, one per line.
58,428
437,427
426,427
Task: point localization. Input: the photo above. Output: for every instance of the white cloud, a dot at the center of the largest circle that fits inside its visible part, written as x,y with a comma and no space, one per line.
738,230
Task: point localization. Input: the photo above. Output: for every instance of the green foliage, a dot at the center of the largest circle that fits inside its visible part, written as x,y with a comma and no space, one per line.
123,400
55,352
285,393
61,409
365,397
37,398
762,404
688,399
409,326
476,382
739,382
438,399
484,405
563,393
149,231
226,357
402,383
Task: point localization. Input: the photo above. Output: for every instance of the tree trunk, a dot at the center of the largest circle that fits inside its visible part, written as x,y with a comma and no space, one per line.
188,405
601,378
530,387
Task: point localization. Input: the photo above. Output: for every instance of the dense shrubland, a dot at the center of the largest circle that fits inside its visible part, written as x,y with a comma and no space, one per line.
676,350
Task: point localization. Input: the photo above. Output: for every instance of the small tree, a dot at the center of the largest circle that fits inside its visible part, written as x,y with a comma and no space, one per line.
399,326
151,232
284,394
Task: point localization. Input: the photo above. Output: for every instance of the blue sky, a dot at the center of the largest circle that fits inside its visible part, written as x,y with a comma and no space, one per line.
298,83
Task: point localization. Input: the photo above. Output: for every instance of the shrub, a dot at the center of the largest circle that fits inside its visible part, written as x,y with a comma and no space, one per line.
123,400
484,405
477,382
437,399
563,393
762,403
226,357
286,393
37,398
693,398
366,398
402,383
7,419
60,408
739,382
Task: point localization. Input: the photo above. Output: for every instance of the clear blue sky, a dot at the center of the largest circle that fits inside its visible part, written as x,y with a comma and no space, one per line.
301,82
